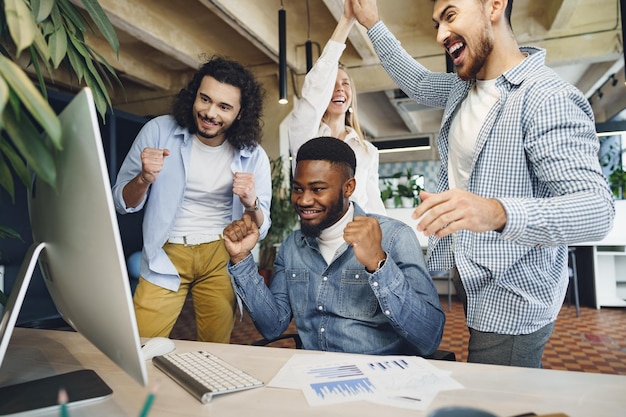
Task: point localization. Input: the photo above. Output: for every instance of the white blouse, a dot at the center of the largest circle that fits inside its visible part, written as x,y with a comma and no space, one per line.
305,124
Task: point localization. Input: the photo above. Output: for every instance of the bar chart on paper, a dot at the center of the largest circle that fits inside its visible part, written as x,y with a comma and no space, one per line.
342,382
403,381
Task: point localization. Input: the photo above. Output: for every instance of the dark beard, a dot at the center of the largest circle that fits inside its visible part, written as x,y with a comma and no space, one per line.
478,61
205,135
199,131
334,214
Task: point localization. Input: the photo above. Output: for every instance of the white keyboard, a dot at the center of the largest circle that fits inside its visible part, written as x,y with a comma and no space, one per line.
204,374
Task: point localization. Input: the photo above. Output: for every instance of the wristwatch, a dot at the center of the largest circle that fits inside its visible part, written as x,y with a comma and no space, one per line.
380,265
256,206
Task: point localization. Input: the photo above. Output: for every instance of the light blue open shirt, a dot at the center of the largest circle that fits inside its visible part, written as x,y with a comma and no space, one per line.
166,194
341,307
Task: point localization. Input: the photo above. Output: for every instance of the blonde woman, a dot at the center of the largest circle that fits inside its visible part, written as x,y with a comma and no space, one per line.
328,108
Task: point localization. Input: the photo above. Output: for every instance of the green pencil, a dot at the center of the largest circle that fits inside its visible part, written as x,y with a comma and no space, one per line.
62,399
146,406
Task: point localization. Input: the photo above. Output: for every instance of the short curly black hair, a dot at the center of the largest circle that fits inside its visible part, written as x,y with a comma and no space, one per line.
246,131
333,150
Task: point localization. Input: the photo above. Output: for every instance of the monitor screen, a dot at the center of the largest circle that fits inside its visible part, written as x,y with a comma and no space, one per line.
78,246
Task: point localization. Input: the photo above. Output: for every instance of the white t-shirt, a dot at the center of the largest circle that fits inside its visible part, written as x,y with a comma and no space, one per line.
465,128
207,202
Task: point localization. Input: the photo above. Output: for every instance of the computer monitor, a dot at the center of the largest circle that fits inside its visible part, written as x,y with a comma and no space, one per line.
77,243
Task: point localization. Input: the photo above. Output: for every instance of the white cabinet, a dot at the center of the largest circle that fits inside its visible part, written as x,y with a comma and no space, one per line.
610,276
609,262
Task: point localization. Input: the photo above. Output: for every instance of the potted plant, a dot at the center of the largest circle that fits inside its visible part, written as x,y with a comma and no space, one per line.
387,194
51,34
401,191
283,215
617,181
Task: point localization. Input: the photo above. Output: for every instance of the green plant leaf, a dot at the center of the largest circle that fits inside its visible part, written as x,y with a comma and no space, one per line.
41,9
6,231
40,79
41,46
6,179
102,62
55,22
32,100
69,12
102,22
19,167
21,23
4,96
98,94
57,44
75,62
31,145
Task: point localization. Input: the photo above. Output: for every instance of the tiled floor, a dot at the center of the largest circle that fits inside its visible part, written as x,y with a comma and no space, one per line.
593,342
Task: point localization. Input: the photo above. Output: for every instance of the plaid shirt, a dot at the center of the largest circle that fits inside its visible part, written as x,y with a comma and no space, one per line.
537,153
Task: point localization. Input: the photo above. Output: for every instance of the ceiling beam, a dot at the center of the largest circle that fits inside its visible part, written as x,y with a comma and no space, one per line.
160,28
357,36
131,63
584,48
250,20
559,13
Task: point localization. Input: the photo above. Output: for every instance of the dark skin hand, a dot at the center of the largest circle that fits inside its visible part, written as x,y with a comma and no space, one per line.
365,237
240,237
363,234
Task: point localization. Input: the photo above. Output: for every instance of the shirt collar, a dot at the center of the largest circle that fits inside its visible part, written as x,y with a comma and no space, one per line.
536,59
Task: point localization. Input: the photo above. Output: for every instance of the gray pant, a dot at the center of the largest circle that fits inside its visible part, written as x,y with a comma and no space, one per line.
502,349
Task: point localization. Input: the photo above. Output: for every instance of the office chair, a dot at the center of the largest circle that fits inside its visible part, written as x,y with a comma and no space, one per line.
442,355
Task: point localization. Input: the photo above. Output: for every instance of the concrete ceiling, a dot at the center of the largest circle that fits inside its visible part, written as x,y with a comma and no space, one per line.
163,42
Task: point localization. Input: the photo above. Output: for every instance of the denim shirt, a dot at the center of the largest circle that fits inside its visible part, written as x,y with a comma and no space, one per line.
341,307
537,153
166,194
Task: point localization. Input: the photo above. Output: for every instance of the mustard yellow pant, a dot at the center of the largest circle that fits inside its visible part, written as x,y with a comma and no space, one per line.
202,270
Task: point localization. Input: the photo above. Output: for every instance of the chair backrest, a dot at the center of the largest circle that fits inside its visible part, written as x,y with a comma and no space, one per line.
441,355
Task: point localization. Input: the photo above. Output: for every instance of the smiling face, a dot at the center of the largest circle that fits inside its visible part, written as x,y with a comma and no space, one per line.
320,195
342,95
215,109
465,32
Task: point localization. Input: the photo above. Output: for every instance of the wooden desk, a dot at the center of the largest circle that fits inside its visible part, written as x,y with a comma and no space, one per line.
505,391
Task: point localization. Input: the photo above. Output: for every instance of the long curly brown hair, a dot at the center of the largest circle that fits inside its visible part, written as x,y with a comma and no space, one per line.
246,131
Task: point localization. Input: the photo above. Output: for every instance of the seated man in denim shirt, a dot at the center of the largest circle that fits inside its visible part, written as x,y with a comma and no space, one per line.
353,282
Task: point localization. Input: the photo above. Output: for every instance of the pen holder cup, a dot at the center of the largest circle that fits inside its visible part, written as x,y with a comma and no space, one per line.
460,412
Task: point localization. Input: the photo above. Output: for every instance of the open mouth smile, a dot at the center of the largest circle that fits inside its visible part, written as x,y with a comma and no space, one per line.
455,50
308,214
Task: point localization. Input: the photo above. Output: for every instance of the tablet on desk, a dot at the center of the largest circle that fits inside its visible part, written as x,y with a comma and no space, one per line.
82,386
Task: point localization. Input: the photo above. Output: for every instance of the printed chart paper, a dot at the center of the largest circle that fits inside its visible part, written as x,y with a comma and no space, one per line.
401,381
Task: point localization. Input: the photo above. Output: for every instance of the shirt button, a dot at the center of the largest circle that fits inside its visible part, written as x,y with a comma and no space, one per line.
293,275
320,308
387,312
322,330
375,284
325,279
356,276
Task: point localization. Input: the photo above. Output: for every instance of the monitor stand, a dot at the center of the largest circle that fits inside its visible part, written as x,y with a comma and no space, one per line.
81,386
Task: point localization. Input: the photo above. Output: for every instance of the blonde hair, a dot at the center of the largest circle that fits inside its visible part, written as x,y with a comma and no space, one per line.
351,118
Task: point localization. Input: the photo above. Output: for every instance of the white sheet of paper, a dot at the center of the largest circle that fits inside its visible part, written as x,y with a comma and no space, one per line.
401,381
